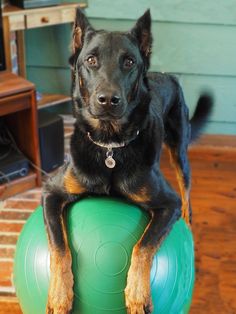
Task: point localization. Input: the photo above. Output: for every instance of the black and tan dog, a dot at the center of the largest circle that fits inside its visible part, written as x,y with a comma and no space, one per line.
123,116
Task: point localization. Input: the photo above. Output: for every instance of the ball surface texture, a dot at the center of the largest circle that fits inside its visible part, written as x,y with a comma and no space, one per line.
102,232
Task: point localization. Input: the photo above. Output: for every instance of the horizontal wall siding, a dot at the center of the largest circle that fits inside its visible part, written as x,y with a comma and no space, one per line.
183,11
223,89
48,46
195,49
191,39
50,79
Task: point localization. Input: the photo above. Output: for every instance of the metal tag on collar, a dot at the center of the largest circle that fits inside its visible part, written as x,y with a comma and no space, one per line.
110,161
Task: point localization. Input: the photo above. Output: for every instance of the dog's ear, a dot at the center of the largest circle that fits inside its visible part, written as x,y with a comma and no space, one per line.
81,26
142,32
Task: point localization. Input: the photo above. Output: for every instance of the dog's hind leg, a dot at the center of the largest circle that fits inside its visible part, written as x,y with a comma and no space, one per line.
177,129
58,194
181,165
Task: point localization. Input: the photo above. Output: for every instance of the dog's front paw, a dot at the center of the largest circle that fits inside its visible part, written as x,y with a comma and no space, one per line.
137,301
137,292
61,304
60,295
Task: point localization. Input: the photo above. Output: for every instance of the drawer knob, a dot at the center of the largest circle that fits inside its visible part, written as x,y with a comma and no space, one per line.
45,19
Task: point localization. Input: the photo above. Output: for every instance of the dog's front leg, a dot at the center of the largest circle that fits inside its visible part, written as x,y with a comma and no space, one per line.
56,198
137,291
60,294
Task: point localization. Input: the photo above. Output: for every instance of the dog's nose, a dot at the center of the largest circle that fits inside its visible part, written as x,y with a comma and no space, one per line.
113,100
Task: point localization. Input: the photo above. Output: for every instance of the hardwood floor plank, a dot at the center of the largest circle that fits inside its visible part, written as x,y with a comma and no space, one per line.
9,305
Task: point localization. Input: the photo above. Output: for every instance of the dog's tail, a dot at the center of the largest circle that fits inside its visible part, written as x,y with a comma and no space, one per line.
201,114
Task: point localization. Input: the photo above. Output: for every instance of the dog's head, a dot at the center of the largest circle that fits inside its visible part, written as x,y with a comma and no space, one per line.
109,69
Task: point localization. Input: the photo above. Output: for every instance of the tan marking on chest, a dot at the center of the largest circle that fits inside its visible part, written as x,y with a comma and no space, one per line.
71,184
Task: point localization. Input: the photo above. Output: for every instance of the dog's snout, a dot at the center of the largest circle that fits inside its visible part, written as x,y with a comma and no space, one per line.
105,99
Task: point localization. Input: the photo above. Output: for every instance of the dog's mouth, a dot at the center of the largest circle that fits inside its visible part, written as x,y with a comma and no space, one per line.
106,115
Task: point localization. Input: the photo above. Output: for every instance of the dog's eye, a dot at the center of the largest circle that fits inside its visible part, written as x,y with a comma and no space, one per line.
129,62
91,60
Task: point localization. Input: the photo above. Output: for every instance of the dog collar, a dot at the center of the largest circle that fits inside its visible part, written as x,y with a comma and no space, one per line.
110,161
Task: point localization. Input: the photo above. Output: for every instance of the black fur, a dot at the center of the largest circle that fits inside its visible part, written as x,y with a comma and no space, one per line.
114,98
202,112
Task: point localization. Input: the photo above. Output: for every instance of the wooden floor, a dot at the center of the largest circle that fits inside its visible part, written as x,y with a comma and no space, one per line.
214,228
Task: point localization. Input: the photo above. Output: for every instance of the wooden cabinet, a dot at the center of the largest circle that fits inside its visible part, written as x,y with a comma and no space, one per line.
17,95
19,110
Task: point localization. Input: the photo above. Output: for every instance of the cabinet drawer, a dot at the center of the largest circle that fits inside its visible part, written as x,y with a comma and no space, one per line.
17,22
47,18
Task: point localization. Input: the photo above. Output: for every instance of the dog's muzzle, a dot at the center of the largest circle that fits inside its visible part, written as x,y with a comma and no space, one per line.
107,105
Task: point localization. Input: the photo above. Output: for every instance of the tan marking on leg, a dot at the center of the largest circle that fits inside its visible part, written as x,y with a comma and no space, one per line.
60,295
138,291
142,196
185,193
71,184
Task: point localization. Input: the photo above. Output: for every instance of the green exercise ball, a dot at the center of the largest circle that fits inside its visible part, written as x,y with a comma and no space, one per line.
102,233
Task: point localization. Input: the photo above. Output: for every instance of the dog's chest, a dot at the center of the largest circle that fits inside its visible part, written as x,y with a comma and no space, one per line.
99,175
103,170
109,160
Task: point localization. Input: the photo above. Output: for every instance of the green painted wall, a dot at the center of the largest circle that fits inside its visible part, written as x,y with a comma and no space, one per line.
195,39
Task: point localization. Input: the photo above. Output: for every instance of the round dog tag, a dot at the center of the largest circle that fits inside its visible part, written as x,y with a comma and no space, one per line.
110,162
